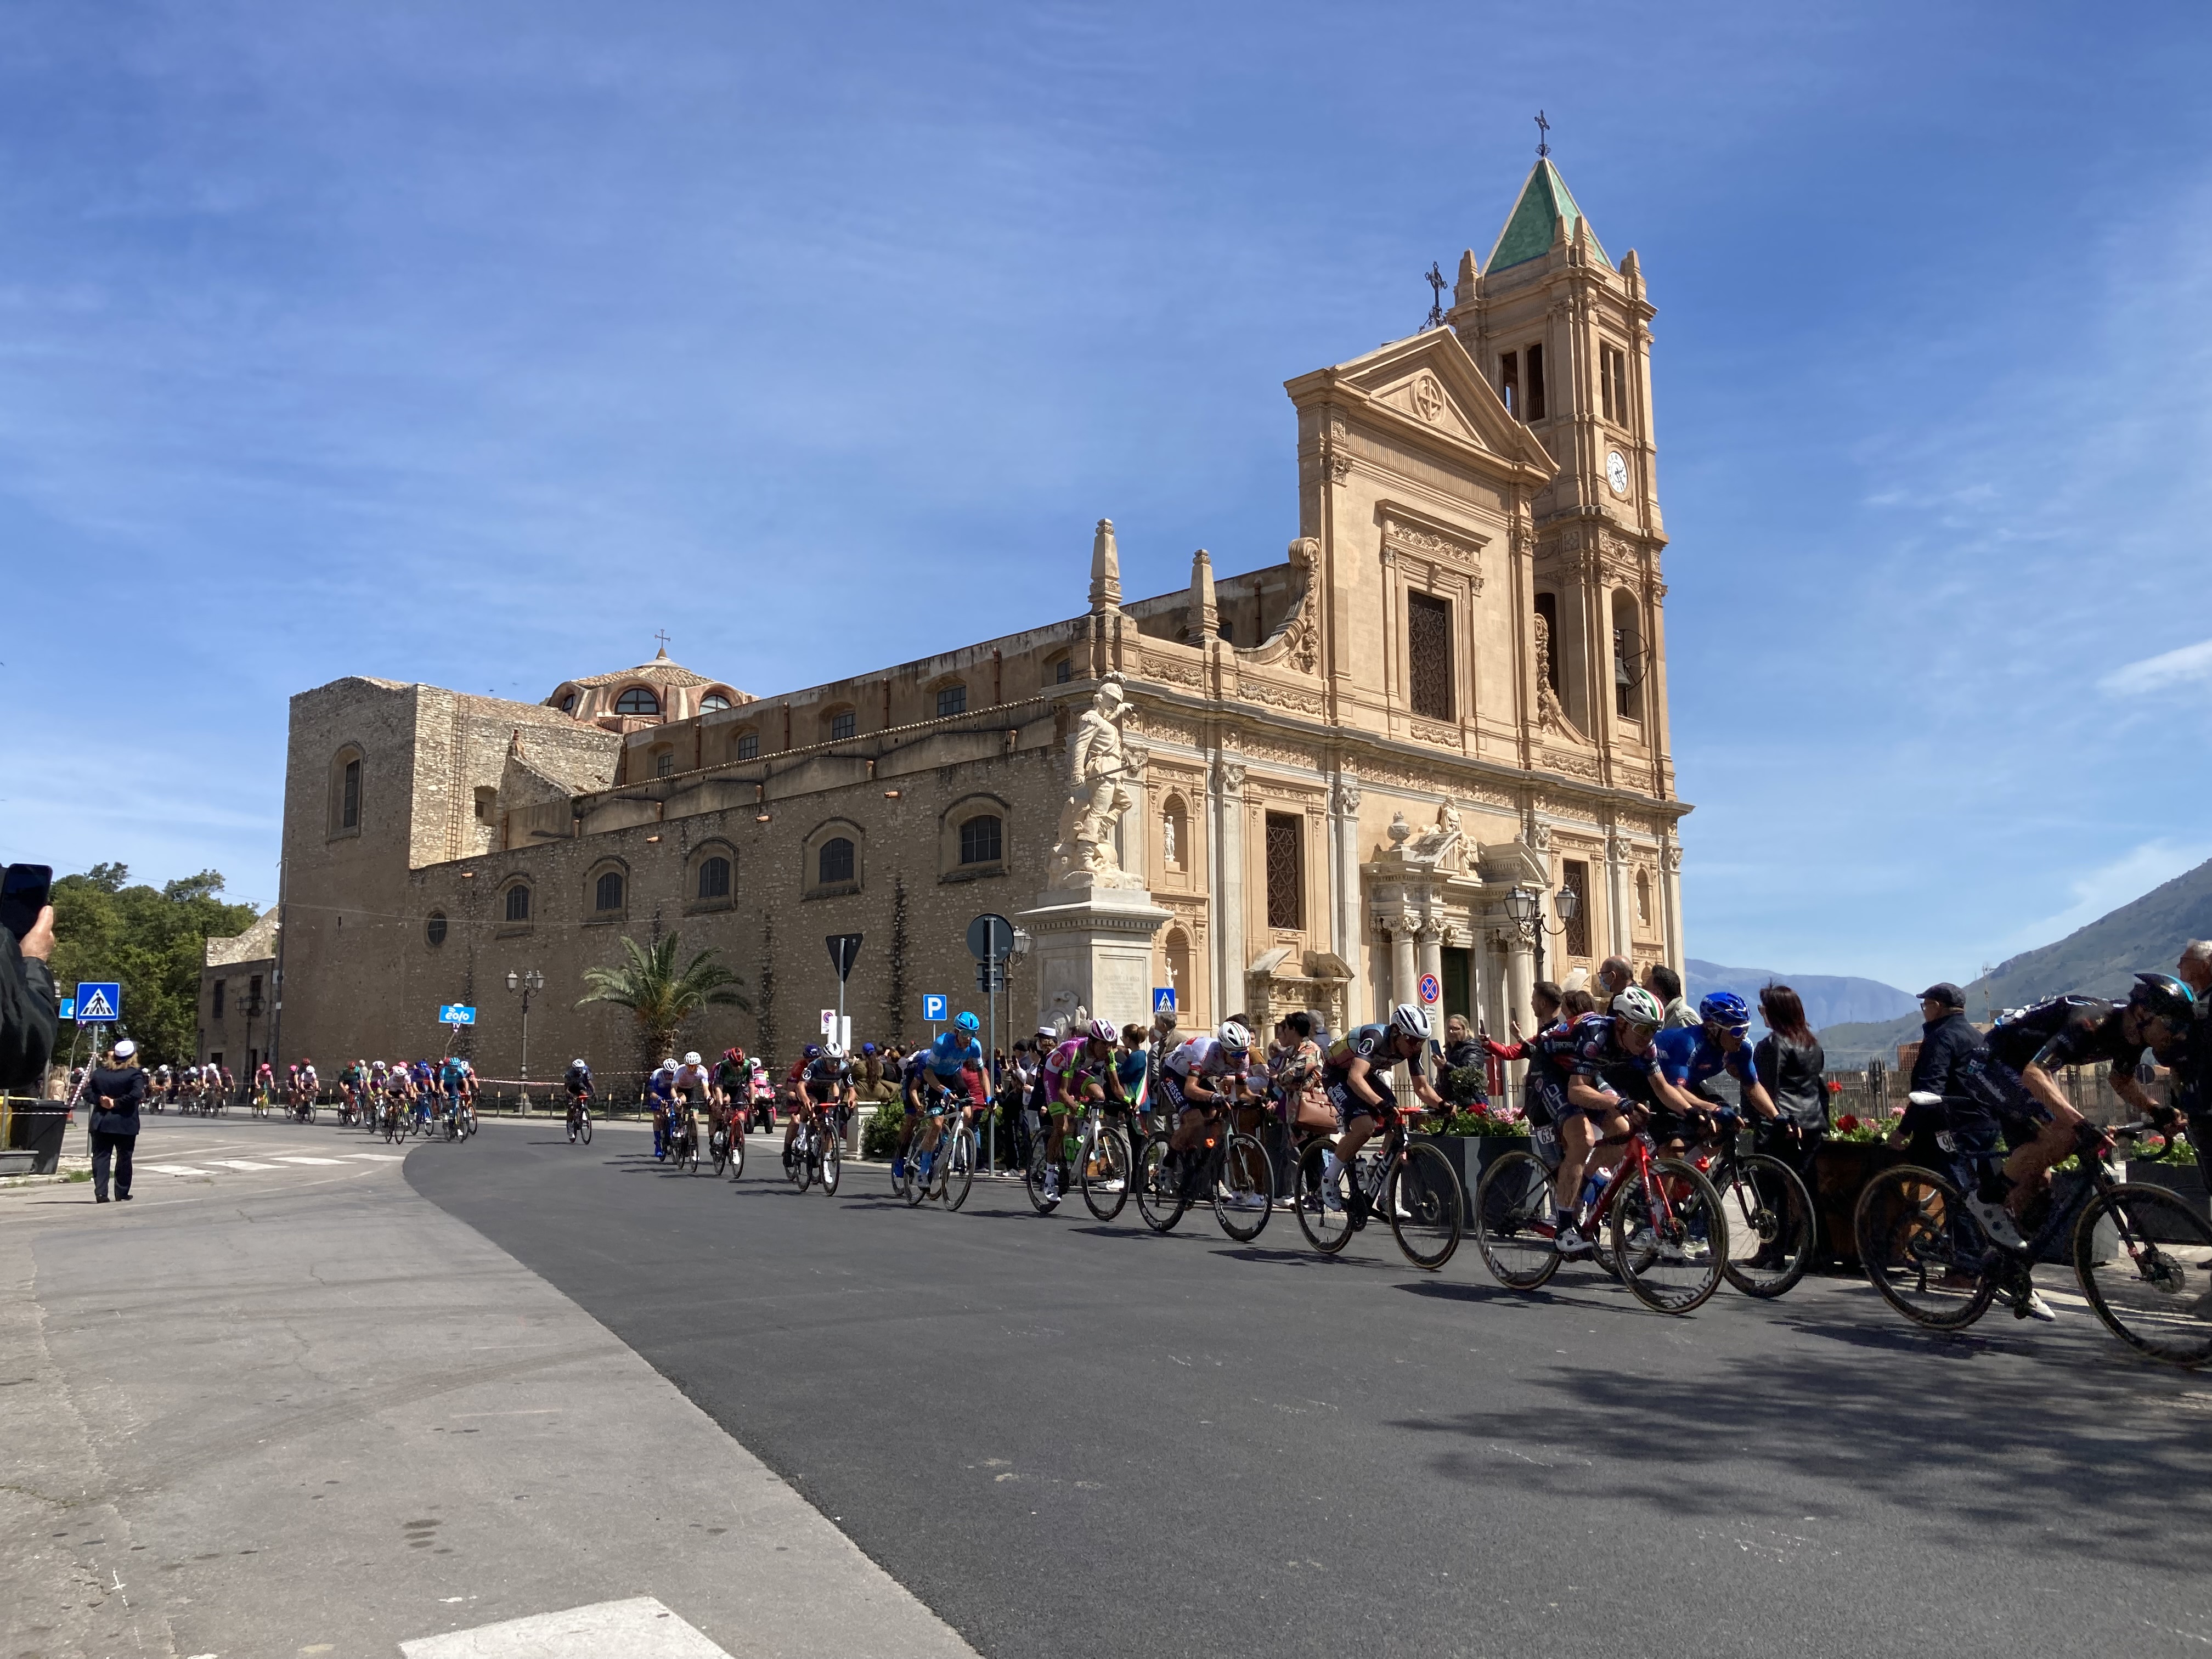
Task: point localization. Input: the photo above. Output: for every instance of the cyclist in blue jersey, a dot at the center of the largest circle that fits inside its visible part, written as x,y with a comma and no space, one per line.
1692,1056
660,1099
939,1066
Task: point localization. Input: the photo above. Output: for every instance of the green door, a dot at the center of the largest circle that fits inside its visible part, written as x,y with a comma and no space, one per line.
1459,985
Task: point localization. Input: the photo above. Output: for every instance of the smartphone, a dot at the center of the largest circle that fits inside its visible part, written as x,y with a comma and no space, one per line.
23,893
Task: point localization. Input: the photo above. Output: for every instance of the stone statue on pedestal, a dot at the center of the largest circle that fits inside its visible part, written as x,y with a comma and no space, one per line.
1100,765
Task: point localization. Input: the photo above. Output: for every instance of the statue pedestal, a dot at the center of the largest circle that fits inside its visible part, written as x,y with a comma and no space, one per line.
1093,948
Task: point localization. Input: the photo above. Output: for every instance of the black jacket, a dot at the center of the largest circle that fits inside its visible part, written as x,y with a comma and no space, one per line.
1946,1046
1796,1075
1467,1055
113,1098
30,1018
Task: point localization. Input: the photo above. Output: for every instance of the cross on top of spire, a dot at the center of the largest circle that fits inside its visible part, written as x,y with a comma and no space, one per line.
1543,133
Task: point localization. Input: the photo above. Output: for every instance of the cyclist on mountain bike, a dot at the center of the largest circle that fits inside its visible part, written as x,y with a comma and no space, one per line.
1612,1067
1077,1071
939,1066
1356,1078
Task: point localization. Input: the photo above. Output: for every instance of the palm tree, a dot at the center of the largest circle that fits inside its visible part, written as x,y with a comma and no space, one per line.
660,995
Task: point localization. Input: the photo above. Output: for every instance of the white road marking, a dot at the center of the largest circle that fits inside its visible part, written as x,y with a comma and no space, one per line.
243,1163
172,1168
381,1157
334,1161
637,1629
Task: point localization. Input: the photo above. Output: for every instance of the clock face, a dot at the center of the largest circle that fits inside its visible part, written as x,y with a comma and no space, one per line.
1616,471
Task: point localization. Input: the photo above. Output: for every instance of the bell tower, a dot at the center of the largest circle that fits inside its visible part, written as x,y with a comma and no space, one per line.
1563,336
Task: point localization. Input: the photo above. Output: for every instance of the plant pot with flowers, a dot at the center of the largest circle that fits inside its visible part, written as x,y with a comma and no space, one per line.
1857,1151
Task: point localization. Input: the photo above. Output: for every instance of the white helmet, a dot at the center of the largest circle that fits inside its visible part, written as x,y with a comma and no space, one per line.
833,1051
667,1065
577,1065
691,1057
1233,1037
1406,1020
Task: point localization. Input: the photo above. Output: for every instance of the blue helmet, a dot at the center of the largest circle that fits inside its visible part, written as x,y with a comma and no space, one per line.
1726,1009
967,1021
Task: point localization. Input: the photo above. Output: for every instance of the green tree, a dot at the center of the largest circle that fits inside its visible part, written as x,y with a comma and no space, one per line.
660,995
151,939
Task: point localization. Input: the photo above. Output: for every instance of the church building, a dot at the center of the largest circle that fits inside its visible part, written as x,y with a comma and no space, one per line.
1334,773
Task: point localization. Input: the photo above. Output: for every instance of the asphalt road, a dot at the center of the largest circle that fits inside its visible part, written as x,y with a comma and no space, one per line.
1073,1439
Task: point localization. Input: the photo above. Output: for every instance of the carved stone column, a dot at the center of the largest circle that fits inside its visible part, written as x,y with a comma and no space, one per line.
1433,962
1520,981
1618,929
1403,935
1228,955
1670,903
1347,900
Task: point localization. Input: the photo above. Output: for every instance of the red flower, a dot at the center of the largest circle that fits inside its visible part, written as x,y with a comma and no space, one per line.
1834,1087
1847,1124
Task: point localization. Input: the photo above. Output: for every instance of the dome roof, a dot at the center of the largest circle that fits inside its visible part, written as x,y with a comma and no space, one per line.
659,671
676,693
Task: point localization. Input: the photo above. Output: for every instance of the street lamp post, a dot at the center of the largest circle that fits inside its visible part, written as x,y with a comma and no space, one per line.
528,983
1525,906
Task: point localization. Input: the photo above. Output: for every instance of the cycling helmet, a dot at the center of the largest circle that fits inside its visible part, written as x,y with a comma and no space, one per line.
576,1066
1102,1030
813,1051
1231,1036
1724,1009
1406,1020
2163,995
668,1066
833,1051
967,1021
1637,1006
691,1057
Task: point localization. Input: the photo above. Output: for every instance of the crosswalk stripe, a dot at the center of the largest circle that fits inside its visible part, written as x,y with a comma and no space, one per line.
333,1161
243,1163
172,1168
640,1628
381,1157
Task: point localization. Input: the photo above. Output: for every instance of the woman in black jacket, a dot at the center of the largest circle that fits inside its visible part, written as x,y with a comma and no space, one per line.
1795,1071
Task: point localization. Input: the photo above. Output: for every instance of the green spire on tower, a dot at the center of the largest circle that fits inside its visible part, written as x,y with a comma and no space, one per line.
1545,201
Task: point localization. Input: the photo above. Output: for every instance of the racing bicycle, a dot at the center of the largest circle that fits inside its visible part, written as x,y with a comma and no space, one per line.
1410,1183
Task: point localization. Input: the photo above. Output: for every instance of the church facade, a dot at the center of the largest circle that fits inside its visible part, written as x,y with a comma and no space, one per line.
1334,768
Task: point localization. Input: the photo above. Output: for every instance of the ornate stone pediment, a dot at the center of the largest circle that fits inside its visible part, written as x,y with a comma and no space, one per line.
1409,538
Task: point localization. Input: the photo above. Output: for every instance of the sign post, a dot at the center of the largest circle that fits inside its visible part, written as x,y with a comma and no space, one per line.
991,941
844,951
933,1011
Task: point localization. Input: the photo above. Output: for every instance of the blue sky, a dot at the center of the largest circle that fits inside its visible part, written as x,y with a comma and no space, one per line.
473,344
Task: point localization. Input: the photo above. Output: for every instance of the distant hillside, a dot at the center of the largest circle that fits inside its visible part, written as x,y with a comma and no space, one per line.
1829,998
2100,960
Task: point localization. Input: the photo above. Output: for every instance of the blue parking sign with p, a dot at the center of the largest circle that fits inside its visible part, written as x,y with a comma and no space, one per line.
932,1008
1163,999
99,1002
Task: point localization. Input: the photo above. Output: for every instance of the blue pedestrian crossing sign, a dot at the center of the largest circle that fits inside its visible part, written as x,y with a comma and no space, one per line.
932,1008
99,1004
1163,999
457,1013
69,1008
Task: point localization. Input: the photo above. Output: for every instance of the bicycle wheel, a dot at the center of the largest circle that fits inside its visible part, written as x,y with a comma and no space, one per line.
959,1169
586,1129
1034,1177
1245,1196
393,1135
1160,1198
800,1167
1669,1237
1769,1226
1427,1205
687,1156
1106,1176
1317,1194
1922,1249
2150,1277
737,1149
1513,1221
833,1166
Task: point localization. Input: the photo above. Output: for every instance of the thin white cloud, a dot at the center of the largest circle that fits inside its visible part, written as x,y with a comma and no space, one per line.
2185,666
2108,887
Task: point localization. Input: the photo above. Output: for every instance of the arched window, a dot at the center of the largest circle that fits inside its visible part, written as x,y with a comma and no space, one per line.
638,700
1627,658
747,747
715,879
568,703
952,700
839,724
712,701
1175,833
607,891
517,903
1644,897
664,763
980,839
1178,955
435,928
834,864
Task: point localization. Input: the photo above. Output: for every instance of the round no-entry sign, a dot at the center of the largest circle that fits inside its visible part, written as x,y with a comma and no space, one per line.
1431,991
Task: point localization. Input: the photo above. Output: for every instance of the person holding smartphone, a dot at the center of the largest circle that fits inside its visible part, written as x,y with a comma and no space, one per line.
30,1018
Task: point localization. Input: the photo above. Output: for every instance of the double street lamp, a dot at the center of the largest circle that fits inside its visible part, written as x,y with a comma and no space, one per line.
1525,905
528,983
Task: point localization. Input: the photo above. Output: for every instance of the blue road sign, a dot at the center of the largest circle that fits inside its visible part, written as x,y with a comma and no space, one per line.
1163,999
457,1013
98,1003
69,1008
932,1008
